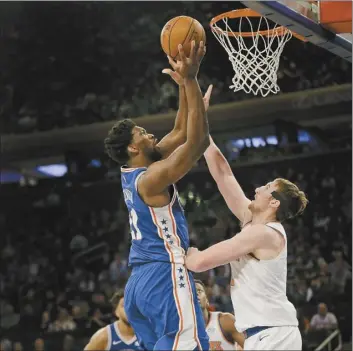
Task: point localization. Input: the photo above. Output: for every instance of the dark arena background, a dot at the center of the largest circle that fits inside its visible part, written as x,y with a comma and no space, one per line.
67,72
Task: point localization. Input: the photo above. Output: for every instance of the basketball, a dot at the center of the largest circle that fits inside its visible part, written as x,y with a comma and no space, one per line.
181,30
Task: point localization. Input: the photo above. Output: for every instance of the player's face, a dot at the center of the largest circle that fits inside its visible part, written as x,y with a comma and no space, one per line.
201,296
120,311
146,143
263,197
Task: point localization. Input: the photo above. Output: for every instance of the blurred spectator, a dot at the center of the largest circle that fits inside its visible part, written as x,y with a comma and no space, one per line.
340,272
117,268
64,322
39,345
78,243
323,319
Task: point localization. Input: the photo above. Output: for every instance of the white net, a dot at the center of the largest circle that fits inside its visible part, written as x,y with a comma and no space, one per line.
254,57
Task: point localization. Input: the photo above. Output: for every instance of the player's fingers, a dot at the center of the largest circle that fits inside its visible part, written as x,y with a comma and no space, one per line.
176,77
201,50
208,92
172,62
181,53
193,50
167,71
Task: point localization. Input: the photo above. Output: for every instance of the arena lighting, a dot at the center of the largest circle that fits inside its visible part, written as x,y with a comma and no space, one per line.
55,170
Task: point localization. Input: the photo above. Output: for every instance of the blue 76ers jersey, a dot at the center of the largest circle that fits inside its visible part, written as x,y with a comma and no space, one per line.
159,234
117,343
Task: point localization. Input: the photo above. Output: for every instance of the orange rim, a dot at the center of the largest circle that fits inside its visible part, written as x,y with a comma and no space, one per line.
249,13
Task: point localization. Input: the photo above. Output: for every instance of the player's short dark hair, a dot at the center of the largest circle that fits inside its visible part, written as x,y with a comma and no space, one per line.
118,295
293,200
118,139
198,281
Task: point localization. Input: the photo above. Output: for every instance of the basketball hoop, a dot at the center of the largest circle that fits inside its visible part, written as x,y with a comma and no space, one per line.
256,53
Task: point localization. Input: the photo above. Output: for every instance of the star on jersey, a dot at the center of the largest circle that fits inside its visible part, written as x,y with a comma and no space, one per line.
165,229
164,221
182,285
181,277
180,270
168,236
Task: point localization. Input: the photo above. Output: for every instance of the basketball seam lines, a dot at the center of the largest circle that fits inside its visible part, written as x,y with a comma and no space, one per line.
187,34
170,33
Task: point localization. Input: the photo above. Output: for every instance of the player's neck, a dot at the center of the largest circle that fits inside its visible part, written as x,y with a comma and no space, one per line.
206,315
138,162
263,218
125,329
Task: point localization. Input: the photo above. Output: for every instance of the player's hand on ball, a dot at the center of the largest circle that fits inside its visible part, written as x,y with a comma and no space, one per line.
188,67
175,75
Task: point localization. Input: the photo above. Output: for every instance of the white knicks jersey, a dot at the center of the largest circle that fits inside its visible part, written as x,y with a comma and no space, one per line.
258,290
215,333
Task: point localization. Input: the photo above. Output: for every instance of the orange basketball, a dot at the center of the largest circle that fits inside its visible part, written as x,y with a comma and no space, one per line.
181,30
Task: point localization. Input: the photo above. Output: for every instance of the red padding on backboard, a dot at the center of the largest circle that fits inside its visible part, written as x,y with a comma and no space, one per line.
336,16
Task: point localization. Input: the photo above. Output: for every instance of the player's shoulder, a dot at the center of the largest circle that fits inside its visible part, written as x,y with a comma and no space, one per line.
98,340
265,230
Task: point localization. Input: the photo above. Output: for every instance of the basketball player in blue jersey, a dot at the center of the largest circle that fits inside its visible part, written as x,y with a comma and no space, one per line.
160,296
118,335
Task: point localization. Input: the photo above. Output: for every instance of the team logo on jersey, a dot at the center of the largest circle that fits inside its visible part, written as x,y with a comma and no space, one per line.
128,195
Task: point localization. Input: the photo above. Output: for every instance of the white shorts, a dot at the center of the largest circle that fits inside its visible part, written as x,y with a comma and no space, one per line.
275,338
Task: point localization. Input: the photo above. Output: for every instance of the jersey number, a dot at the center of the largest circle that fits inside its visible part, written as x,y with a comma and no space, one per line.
135,231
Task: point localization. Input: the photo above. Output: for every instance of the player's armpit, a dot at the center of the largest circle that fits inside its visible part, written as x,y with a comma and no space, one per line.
161,174
98,341
247,241
227,321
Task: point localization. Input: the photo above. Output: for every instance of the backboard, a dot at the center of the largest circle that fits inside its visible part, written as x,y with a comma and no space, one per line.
306,19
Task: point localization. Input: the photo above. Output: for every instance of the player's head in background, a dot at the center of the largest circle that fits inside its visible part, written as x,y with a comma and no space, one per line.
117,302
201,294
280,199
129,144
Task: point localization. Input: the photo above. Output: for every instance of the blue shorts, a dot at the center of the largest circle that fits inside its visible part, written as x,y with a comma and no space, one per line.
161,305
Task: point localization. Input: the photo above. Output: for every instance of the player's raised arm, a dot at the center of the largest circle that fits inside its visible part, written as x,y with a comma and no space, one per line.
249,240
99,341
228,186
178,134
168,171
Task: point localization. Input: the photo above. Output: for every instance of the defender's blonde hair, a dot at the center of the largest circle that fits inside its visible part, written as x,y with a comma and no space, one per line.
294,200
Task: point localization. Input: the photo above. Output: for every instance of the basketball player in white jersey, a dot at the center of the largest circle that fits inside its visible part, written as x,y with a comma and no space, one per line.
219,326
118,335
258,257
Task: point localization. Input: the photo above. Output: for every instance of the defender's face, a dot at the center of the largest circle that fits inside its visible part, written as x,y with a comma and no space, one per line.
263,197
201,296
146,143
120,311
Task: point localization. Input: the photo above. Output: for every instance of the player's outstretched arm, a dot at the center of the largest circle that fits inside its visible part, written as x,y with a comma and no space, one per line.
178,135
166,172
98,341
228,186
249,240
227,322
